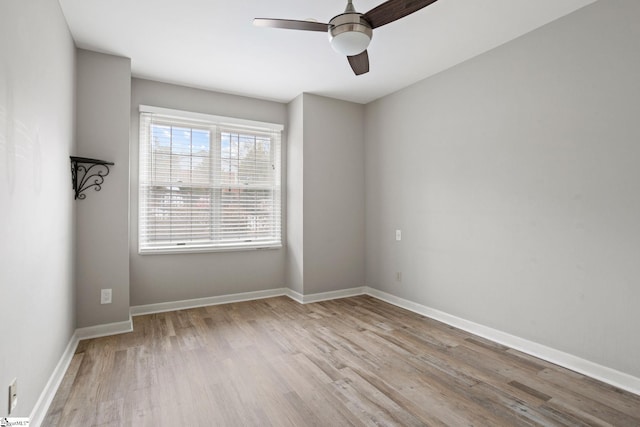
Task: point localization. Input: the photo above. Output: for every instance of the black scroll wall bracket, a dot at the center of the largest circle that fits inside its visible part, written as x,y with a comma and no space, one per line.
87,173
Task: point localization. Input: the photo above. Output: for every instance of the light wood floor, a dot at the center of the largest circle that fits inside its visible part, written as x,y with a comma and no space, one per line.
355,361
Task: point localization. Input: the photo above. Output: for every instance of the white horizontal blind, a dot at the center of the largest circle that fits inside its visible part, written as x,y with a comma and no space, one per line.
207,185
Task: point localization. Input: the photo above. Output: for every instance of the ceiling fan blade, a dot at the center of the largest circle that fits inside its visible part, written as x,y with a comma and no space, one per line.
392,10
359,63
291,24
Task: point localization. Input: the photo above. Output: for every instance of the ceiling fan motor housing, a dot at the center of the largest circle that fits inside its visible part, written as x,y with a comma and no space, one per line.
349,33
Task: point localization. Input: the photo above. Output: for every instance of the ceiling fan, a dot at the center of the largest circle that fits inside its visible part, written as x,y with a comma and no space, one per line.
351,31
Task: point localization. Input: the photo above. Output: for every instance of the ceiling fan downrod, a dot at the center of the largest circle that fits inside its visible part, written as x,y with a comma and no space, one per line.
350,8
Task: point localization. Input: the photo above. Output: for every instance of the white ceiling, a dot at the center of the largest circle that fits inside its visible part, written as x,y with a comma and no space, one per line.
212,44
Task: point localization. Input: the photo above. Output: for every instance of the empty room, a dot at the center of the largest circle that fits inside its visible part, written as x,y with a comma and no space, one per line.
320,213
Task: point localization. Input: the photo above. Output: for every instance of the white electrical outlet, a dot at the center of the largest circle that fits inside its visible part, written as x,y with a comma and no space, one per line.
398,276
398,234
13,395
105,296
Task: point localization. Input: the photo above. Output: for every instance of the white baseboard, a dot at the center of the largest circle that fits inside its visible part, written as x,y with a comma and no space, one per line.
162,307
46,397
105,330
41,407
325,296
566,360
139,310
569,361
296,296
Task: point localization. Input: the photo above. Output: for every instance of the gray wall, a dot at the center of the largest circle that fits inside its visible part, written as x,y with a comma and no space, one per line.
333,194
162,278
325,195
37,210
515,179
295,195
103,97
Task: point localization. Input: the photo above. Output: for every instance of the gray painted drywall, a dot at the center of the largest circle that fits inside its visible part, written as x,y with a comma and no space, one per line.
162,278
37,211
325,210
295,199
515,179
333,194
102,128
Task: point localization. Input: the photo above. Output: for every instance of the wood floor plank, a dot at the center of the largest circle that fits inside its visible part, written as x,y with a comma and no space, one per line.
589,388
58,404
582,407
349,362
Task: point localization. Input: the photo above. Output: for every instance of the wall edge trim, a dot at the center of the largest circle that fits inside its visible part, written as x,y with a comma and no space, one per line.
139,310
41,407
325,296
294,295
105,330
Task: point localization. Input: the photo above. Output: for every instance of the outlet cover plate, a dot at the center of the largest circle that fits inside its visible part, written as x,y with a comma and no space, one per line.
105,296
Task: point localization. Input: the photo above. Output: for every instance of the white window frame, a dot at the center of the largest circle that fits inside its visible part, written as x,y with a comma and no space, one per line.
216,125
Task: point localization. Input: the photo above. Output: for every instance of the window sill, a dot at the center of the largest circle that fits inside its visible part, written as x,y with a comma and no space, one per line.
197,250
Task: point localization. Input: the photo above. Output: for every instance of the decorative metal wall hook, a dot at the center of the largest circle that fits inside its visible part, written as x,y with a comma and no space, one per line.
87,173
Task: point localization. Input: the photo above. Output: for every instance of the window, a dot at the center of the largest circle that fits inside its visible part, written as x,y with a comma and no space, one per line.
207,183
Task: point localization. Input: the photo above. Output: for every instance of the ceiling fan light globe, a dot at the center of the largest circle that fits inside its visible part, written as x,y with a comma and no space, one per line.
350,43
349,33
